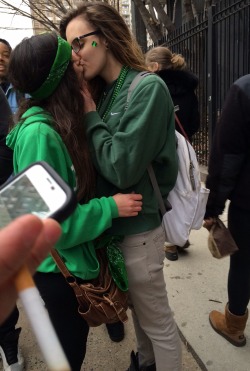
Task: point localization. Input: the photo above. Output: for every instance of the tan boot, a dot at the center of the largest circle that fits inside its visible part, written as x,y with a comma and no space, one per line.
230,326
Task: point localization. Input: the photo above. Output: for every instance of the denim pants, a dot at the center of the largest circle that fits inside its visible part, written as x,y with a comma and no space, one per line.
157,336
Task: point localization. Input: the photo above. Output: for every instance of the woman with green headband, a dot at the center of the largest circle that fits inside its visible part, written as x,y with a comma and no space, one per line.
124,140
51,128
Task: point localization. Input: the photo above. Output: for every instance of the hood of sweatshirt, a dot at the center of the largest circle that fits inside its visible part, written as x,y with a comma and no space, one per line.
31,116
179,81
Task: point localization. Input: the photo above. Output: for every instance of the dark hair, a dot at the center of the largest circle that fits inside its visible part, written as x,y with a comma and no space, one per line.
30,64
3,41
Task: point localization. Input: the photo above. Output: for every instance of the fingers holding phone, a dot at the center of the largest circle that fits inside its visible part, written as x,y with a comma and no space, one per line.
128,204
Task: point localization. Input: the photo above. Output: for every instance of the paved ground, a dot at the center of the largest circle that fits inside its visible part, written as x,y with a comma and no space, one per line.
197,284
102,353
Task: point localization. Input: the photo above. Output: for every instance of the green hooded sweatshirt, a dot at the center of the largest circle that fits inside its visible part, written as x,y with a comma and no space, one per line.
130,140
36,140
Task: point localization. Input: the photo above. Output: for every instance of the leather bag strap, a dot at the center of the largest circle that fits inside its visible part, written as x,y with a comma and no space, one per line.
60,263
181,128
68,276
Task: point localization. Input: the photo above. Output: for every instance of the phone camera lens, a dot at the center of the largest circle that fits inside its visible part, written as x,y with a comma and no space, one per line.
53,188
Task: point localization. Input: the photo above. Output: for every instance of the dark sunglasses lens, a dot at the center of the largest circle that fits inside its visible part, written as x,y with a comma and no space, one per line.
75,45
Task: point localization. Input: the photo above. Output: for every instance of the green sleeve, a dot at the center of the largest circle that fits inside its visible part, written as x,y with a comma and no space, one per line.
122,153
89,220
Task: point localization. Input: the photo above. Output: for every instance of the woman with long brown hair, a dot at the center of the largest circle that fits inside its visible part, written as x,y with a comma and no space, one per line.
51,128
124,140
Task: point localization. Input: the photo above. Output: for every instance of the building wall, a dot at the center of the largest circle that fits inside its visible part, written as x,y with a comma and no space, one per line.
123,6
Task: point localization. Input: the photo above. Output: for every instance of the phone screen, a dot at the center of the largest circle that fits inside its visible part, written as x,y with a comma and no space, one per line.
12,205
34,191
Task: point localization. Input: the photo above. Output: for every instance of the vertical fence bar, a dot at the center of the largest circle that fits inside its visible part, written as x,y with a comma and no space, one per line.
211,75
217,49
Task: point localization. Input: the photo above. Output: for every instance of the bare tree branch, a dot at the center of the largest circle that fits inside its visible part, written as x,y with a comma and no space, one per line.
47,14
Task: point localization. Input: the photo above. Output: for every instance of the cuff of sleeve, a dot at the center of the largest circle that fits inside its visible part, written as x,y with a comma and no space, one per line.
114,208
91,118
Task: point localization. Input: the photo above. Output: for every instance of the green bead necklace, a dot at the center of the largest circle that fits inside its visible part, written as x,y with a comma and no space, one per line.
116,90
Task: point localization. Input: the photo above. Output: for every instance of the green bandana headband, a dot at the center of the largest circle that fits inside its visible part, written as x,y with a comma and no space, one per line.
63,56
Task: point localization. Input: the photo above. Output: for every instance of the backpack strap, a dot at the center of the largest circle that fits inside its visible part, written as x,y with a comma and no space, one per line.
157,190
134,83
181,127
162,205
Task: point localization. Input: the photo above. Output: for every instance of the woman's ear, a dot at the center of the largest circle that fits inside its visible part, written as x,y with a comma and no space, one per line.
106,44
154,66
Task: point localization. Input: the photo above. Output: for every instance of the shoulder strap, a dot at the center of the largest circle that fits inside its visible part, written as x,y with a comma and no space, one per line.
67,275
60,263
135,82
150,169
157,191
181,128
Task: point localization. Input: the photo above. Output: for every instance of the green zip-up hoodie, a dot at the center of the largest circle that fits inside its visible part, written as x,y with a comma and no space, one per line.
130,140
35,140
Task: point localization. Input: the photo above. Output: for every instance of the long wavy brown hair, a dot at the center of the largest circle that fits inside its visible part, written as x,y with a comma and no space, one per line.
113,28
29,66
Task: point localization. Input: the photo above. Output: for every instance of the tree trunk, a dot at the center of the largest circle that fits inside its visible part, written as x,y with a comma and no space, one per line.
163,17
138,27
152,27
187,11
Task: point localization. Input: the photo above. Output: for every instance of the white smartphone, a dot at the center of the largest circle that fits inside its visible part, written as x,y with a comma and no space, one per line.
37,190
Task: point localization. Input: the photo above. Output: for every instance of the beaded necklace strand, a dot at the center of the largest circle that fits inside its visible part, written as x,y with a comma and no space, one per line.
116,90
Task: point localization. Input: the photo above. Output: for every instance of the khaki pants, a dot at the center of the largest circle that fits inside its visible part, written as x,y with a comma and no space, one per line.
157,337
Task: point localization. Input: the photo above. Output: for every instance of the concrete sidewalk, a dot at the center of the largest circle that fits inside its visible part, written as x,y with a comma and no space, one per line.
197,284
102,354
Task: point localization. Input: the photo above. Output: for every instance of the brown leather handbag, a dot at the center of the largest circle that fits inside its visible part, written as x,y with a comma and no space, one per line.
100,300
220,240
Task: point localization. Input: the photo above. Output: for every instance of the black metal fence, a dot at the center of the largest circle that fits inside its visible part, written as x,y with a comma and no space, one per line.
217,49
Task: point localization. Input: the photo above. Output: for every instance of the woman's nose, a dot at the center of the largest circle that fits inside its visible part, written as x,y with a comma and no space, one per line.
75,57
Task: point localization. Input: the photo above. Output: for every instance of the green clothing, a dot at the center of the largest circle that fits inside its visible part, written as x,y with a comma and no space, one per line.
35,140
131,139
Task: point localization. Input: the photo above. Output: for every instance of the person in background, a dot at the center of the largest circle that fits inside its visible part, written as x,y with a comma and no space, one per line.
6,154
229,179
14,96
9,334
51,127
172,68
123,142
26,240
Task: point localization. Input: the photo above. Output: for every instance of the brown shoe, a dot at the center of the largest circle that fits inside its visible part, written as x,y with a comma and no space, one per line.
171,252
230,326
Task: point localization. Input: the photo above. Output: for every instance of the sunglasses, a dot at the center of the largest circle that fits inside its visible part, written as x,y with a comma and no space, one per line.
76,43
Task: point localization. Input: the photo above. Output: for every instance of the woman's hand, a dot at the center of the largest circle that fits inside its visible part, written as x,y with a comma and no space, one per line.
128,204
209,222
88,103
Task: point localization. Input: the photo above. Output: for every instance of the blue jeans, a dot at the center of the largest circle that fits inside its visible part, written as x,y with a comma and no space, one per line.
157,337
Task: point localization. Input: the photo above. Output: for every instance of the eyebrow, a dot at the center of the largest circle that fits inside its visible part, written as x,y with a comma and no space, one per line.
87,34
